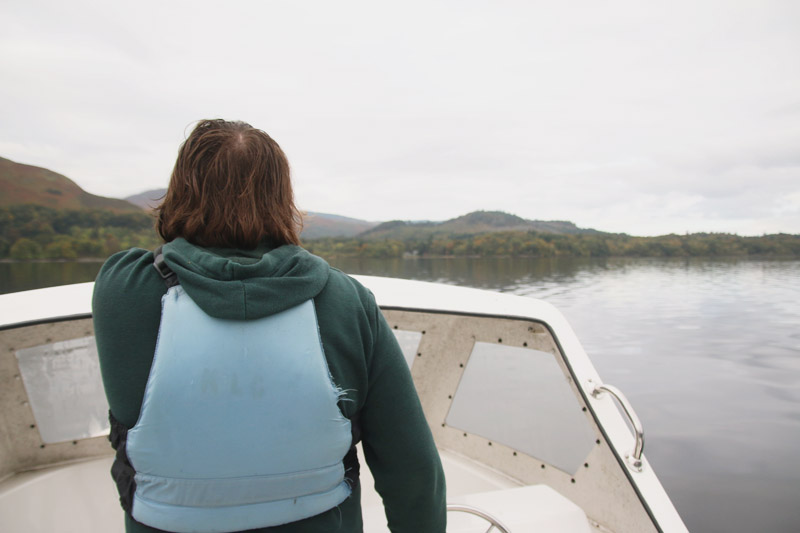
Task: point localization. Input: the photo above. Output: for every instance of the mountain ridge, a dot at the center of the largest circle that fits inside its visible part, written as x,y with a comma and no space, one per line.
29,184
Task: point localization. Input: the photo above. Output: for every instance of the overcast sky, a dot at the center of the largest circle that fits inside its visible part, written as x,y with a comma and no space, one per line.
639,117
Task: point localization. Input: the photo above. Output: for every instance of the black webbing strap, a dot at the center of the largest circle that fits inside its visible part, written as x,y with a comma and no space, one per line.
352,468
166,273
122,471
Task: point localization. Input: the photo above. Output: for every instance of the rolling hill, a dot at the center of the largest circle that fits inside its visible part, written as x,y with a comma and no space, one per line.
473,223
27,184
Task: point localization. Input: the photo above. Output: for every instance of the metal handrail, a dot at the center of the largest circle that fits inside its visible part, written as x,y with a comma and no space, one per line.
495,523
635,459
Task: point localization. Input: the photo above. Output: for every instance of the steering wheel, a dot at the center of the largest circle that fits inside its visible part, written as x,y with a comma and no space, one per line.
494,523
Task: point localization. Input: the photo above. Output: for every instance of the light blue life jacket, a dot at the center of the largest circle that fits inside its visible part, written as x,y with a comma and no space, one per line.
239,426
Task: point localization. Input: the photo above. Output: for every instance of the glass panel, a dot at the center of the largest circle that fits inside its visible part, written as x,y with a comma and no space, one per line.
409,344
65,389
520,397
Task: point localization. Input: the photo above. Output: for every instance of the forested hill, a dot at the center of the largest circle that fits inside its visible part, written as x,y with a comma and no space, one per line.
27,184
474,223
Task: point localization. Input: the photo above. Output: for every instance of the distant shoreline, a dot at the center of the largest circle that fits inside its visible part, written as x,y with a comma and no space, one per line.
75,260
410,257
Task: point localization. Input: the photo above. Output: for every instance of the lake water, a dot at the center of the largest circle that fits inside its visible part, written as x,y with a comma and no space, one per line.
707,351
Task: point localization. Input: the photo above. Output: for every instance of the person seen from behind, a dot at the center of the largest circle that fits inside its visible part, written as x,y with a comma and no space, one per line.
241,370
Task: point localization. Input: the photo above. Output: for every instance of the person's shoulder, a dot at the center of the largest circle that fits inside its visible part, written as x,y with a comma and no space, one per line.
343,296
123,265
346,284
126,272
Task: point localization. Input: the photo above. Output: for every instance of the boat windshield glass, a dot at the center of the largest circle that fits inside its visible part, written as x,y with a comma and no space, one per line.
409,344
521,398
63,384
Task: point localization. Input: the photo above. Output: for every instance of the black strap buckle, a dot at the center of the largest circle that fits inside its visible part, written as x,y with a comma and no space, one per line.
166,273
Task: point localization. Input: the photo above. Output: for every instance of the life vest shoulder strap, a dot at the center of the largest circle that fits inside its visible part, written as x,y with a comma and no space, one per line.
166,273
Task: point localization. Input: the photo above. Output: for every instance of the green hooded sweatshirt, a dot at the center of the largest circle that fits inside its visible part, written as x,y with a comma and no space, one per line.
361,351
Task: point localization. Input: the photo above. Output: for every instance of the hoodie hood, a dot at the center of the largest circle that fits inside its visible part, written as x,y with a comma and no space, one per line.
246,284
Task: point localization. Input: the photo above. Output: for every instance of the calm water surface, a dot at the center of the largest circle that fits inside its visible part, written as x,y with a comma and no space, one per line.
708,352
26,276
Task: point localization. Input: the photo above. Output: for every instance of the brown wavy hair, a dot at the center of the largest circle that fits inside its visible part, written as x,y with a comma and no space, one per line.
231,188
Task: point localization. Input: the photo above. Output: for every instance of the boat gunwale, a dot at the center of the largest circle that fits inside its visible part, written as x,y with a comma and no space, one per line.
41,321
386,289
625,467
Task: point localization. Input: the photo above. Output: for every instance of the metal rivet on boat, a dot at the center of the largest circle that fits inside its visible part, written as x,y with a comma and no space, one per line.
524,343
573,480
583,409
41,446
490,443
499,340
442,424
74,442
419,354
450,396
542,467
597,441
515,454
33,426
423,332
465,434
395,326
586,465
461,365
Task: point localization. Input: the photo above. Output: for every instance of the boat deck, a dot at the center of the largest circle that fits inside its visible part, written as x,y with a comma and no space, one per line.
81,498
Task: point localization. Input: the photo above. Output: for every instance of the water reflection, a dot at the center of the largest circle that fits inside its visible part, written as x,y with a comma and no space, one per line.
26,276
495,273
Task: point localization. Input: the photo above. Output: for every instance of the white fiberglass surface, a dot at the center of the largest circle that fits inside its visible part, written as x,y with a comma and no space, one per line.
82,498
43,304
77,498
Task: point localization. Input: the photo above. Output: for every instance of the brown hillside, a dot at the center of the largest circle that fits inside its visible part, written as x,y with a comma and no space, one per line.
26,184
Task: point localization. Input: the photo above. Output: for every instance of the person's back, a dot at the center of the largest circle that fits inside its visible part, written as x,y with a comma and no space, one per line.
243,371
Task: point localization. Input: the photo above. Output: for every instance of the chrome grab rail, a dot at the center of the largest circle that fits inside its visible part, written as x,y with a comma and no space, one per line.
635,459
495,523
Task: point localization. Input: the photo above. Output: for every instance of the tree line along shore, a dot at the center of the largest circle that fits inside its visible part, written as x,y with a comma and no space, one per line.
32,232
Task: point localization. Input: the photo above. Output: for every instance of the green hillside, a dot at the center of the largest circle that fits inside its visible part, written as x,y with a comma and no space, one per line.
26,184
475,223
30,232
